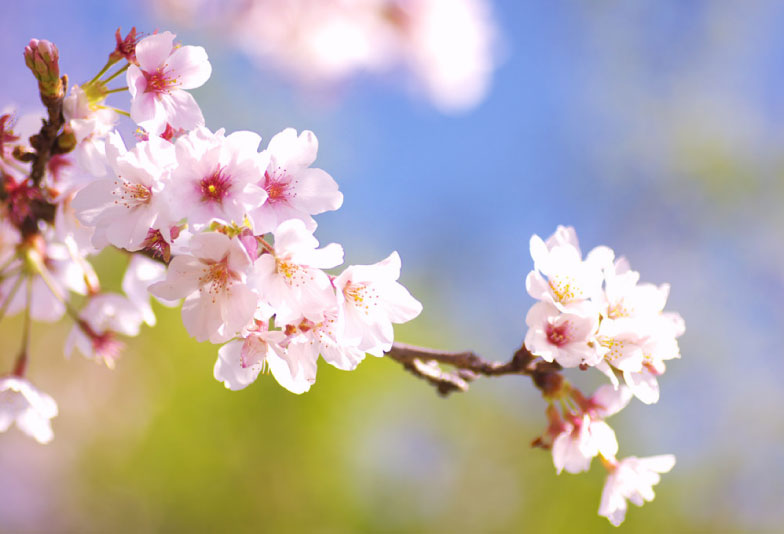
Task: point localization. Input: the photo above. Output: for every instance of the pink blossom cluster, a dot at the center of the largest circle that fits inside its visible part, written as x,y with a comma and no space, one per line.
446,48
211,219
593,312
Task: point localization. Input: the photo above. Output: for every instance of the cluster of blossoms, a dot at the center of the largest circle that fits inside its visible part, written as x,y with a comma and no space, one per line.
592,312
212,220
446,47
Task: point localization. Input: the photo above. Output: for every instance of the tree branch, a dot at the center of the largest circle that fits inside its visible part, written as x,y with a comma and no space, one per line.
424,363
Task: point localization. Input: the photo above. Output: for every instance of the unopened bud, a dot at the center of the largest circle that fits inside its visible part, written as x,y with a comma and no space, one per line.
66,142
42,58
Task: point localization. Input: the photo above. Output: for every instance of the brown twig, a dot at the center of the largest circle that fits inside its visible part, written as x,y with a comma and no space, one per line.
45,142
424,363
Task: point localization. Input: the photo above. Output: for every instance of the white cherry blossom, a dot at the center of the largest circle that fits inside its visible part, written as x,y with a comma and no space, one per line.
291,280
90,125
216,177
124,207
582,440
562,277
633,479
370,300
157,85
95,334
140,274
240,362
218,303
294,189
561,337
326,338
29,408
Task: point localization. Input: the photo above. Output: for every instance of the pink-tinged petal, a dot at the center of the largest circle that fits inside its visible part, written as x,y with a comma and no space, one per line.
229,370
296,382
400,306
604,439
660,464
610,400
325,258
189,64
317,192
293,236
44,306
605,369
152,51
613,503
601,257
342,357
201,318
135,81
291,152
210,246
182,279
537,287
148,112
244,143
181,111
564,235
92,200
567,455
643,385
539,252
237,309
131,231
239,259
35,426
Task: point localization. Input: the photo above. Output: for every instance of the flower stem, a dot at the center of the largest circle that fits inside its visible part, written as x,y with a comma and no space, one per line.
116,110
118,90
117,73
102,71
21,361
10,297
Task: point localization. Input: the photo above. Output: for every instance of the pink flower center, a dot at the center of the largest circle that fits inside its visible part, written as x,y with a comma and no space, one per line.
278,187
361,296
294,275
159,81
215,187
131,195
558,335
217,278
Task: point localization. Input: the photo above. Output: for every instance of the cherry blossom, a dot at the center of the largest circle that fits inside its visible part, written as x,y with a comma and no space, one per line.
95,334
29,408
561,337
580,442
290,280
633,479
370,300
218,303
90,125
125,207
157,85
241,361
294,189
216,177
562,277
140,274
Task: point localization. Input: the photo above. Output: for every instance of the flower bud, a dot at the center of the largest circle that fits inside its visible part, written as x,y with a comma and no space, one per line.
42,58
126,47
66,142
